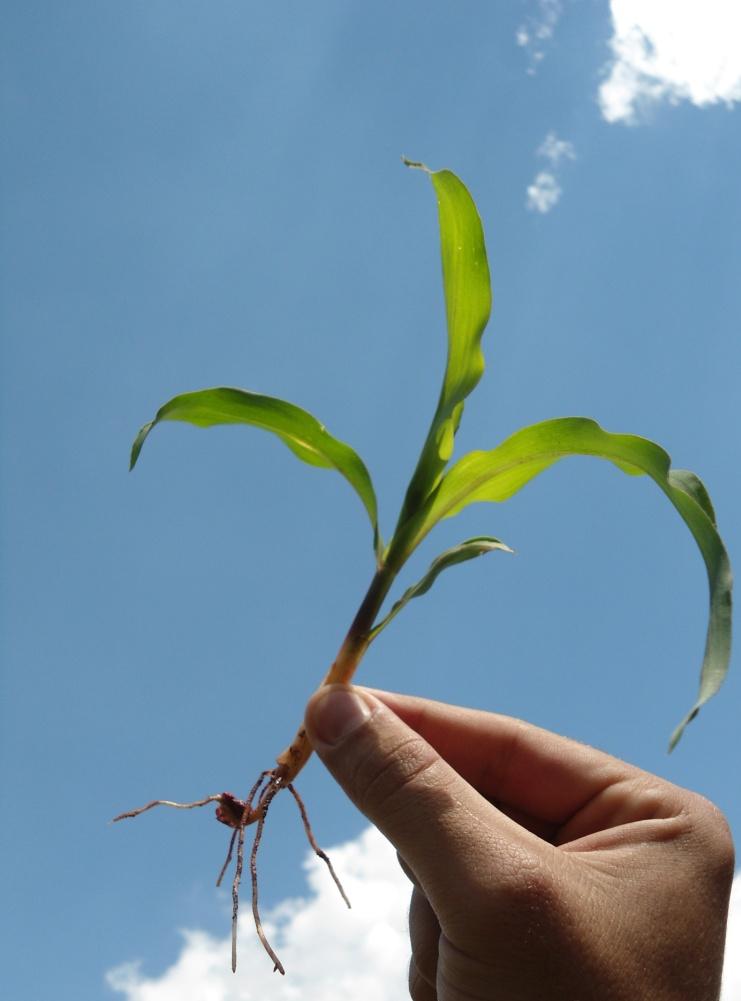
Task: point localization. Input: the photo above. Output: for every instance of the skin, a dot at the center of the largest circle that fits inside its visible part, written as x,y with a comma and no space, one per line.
543,870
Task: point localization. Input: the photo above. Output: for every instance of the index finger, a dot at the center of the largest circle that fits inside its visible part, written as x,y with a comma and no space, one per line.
516,764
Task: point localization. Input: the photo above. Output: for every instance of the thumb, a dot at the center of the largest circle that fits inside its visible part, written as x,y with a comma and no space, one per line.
446,832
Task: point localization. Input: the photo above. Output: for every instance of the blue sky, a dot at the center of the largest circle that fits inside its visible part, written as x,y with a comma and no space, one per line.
198,195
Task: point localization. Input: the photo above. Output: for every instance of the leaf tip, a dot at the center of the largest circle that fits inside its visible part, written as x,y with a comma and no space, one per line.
138,442
679,730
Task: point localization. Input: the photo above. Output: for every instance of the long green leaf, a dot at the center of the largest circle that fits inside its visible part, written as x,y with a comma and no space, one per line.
467,305
296,428
500,473
468,550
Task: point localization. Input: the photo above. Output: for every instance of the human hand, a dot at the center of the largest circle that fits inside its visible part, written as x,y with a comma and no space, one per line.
543,870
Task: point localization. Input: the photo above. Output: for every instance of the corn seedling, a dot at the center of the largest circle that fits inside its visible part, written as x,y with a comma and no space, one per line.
438,490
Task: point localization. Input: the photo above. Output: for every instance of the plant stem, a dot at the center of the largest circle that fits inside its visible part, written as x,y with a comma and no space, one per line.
356,642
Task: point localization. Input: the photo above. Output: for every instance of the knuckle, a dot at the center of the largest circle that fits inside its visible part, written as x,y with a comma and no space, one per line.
381,785
531,897
715,838
517,894
522,873
653,797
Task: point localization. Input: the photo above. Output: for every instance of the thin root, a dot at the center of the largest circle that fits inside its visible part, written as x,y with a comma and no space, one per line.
228,858
264,802
247,811
235,894
312,841
167,802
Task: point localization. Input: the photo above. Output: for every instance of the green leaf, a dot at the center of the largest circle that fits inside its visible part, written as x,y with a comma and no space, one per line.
500,473
464,551
467,305
296,428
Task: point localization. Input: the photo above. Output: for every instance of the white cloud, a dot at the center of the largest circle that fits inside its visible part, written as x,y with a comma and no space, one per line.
555,149
330,953
543,193
732,970
671,50
537,30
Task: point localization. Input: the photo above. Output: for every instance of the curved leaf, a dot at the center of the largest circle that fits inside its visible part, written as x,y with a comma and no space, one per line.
464,551
468,305
500,473
296,428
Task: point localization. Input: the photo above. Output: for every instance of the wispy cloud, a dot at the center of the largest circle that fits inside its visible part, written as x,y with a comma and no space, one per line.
688,51
537,30
330,954
545,191
555,150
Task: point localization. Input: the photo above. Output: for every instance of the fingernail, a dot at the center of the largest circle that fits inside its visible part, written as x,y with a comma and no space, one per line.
335,712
